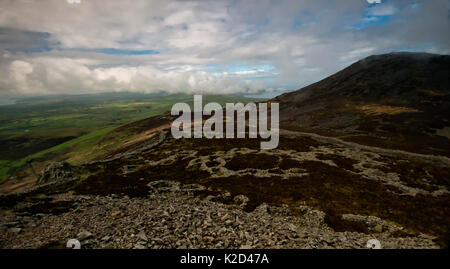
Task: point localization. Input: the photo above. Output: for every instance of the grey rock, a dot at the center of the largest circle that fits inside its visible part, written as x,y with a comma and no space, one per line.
142,236
378,228
106,238
84,235
55,172
241,200
15,230
11,224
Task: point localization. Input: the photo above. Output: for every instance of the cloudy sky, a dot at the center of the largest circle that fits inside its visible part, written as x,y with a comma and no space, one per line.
84,46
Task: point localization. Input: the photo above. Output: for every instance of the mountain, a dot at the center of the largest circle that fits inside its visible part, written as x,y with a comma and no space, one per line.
396,100
362,155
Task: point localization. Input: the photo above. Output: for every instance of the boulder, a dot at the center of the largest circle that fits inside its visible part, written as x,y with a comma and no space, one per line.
55,172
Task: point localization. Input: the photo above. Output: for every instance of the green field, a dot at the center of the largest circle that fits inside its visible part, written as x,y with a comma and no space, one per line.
45,128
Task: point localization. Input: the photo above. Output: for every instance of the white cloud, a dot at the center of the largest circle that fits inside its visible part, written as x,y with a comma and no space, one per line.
74,1
382,10
59,75
356,54
374,1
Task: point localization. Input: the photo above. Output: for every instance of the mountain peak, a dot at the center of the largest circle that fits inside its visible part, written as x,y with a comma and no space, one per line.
403,97
405,75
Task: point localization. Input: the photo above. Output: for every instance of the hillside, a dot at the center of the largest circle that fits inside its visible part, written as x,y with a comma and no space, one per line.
396,100
38,130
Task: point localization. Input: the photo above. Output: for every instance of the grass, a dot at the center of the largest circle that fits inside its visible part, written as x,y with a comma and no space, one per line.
70,127
3,169
74,146
81,143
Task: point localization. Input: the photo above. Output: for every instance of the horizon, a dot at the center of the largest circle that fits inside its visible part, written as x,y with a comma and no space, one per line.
11,99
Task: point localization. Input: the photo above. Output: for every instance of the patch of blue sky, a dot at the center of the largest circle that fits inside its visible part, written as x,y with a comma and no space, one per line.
371,20
237,67
370,5
416,48
112,51
125,51
304,18
376,15
297,23
33,49
241,68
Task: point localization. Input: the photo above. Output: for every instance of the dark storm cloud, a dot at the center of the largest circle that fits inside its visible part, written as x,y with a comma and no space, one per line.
16,40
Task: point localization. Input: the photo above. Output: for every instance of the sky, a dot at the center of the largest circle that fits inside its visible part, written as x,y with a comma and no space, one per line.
207,47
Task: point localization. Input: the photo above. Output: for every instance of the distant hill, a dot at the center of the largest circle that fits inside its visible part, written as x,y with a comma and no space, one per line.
396,100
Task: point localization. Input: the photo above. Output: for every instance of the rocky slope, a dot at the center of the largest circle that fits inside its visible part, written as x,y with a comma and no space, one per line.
311,192
172,217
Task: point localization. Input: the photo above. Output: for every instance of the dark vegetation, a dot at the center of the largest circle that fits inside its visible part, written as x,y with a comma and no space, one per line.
288,163
19,147
419,174
48,207
252,160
